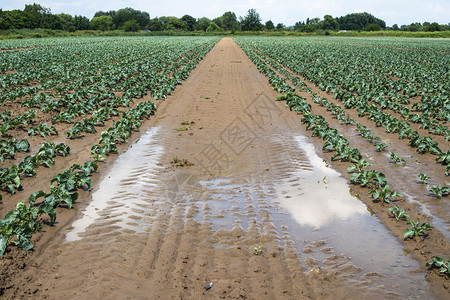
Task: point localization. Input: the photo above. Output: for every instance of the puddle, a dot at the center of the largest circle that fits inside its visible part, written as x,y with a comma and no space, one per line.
229,204
327,219
437,222
311,205
332,229
118,197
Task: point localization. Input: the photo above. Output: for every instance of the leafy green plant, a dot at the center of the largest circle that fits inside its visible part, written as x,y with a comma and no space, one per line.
369,178
109,141
75,131
99,152
46,153
359,166
439,191
43,130
258,249
442,264
396,159
415,229
187,122
176,162
444,157
70,180
384,194
28,166
348,154
281,97
62,150
10,179
424,144
398,213
18,227
423,177
380,146
8,148
21,146
182,128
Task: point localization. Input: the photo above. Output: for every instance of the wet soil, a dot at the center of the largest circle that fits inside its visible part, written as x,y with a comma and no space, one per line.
254,212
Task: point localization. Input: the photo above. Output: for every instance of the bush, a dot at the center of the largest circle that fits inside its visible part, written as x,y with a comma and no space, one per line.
373,27
213,27
130,26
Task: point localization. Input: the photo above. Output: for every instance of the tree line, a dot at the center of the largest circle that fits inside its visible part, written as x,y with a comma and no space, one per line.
128,19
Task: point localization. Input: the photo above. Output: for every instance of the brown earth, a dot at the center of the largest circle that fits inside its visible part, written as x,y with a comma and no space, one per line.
165,232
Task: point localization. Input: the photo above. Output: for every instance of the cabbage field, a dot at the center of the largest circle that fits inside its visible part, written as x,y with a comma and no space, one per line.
72,87
377,108
382,106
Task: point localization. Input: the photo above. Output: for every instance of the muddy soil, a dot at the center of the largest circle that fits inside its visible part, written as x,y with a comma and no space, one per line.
203,195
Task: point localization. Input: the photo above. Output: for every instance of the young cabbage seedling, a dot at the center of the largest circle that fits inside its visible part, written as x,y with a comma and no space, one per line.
359,166
416,230
258,250
444,156
176,162
439,262
380,146
396,159
423,177
398,213
438,191
384,194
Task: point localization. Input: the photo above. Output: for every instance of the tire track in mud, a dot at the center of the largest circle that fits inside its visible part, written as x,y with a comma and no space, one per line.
164,233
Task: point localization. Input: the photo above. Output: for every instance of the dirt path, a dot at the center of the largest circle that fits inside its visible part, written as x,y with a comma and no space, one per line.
155,231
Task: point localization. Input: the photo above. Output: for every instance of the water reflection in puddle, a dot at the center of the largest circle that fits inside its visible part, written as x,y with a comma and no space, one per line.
327,219
332,229
325,193
119,195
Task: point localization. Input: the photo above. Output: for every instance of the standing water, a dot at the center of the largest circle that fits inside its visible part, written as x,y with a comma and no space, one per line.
118,198
332,227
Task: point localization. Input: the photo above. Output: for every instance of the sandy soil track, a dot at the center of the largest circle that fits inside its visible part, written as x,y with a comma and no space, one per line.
156,231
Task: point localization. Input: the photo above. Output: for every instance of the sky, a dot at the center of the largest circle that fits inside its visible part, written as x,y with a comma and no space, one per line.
288,12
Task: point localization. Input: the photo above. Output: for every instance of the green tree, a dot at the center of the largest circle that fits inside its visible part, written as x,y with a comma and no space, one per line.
372,27
66,22
13,19
229,21
213,27
307,28
329,23
155,25
433,27
100,13
81,23
412,27
202,24
37,16
173,23
51,22
102,23
252,21
299,25
280,26
359,21
190,22
269,25
218,21
127,14
131,26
